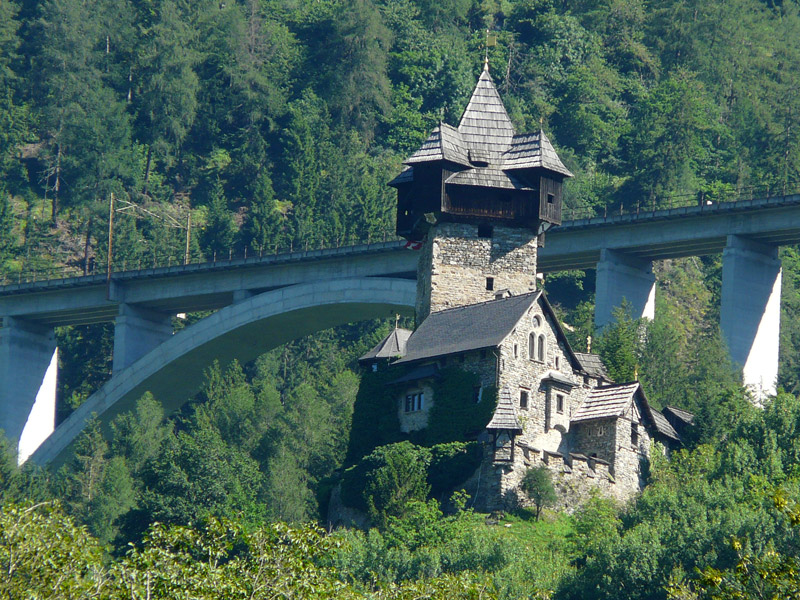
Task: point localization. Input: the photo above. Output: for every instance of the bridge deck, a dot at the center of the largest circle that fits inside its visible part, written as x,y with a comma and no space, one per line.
650,235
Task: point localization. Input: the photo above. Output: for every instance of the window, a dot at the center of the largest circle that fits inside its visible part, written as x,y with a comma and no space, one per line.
477,392
540,349
374,367
516,351
560,404
600,431
484,231
523,399
415,402
489,284
536,321
558,362
634,435
532,346
551,198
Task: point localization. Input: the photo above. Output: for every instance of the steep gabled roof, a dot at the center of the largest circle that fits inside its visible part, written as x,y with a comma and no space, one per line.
505,415
485,123
682,415
466,328
662,425
605,402
392,346
444,143
532,150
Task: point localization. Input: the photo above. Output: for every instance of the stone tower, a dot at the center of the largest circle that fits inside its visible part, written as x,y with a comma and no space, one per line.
480,197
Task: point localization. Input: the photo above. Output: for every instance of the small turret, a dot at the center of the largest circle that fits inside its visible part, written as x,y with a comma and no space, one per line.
481,172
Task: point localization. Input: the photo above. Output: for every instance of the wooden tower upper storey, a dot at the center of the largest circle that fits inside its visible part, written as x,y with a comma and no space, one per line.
481,172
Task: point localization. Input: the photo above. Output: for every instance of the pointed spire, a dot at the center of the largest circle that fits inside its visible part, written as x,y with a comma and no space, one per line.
485,124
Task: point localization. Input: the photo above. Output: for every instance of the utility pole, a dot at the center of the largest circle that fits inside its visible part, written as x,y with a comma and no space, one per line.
110,234
188,236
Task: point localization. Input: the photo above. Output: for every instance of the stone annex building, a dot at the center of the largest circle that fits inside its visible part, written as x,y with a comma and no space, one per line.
480,197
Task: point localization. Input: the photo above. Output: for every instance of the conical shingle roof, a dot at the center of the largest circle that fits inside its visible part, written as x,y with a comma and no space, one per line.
485,124
505,415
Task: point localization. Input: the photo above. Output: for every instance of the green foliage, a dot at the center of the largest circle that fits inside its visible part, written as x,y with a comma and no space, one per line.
451,465
375,417
618,344
537,483
454,414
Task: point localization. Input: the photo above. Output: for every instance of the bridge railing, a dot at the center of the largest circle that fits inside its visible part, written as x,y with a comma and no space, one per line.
703,198
31,273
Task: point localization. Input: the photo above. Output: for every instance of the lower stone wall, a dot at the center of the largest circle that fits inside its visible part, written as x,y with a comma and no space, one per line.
576,478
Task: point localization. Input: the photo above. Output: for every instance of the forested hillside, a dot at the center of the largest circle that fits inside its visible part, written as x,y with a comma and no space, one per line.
269,125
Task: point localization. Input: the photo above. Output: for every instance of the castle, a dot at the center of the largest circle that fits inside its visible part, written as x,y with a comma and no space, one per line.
480,198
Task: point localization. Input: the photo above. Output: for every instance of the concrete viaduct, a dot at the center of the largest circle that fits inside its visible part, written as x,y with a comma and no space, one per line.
265,302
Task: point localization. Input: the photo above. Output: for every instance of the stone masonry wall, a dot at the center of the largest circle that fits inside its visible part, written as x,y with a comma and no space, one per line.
455,263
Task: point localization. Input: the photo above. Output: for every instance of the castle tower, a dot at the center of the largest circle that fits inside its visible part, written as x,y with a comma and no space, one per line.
481,197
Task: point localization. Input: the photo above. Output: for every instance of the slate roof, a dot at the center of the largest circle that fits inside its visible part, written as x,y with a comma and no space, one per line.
605,402
466,328
531,150
444,143
392,346
593,365
487,177
505,415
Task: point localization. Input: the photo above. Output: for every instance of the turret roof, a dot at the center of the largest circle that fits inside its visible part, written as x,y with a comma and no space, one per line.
485,142
505,415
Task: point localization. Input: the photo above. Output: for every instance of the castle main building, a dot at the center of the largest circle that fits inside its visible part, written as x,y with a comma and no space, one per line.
480,198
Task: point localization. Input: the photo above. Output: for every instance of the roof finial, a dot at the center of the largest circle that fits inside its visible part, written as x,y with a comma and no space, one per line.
486,53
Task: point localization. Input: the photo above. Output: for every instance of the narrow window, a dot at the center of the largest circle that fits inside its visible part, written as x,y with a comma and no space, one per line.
558,362
410,403
484,231
601,431
634,435
523,399
540,349
477,392
560,404
532,346
420,400
516,350
489,284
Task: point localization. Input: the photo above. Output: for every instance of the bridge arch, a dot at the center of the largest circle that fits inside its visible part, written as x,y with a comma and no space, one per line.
173,371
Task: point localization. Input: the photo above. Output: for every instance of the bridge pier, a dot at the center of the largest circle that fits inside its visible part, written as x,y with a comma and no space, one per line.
623,277
751,310
28,370
137,331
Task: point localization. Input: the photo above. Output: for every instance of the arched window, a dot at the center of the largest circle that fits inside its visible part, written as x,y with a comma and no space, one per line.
532,346
540,349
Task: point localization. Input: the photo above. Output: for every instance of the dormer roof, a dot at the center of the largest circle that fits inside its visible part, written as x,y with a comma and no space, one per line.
444,143
533,150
